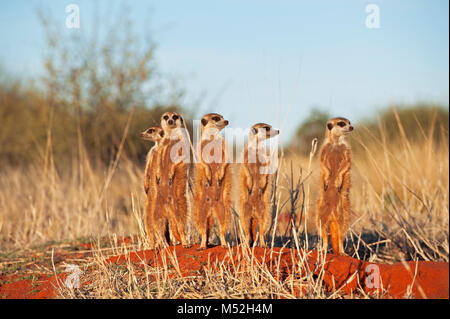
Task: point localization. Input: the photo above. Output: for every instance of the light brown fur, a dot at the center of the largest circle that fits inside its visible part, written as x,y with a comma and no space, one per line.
212,180
154,134
170,207
333,205
256,188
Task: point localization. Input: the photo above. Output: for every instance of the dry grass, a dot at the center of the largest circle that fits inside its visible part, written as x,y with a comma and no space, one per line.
399,200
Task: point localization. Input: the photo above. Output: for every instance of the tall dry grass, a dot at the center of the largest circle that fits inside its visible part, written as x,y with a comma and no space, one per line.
400,211
400,207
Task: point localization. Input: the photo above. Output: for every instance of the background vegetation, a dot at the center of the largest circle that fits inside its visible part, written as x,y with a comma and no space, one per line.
96,91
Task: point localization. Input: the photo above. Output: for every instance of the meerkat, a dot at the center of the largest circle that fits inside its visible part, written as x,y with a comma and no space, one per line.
212,180
256,184
333,205
154,134
170,207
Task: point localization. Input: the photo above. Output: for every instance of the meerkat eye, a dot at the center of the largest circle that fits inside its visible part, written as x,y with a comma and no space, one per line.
341,124
166,117
175,117
267,128
216,118
150,131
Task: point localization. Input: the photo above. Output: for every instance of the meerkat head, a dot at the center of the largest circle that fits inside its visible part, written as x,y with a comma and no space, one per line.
339,127
154,134
262,131
171,121
213,121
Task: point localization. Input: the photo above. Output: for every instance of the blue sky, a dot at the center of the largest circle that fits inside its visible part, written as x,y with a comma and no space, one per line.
272,61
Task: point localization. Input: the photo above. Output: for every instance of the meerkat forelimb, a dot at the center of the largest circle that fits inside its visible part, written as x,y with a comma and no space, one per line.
333,205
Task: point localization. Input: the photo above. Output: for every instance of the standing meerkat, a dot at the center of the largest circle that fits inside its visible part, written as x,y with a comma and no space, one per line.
256,184
212,180
333,205
151,182
154,134
173,162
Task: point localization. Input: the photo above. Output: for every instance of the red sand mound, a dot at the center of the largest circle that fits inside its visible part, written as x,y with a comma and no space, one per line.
422,279
43,287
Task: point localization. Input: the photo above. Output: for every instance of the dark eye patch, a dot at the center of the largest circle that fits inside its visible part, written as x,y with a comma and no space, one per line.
341,124
150,130
166,117
216,118
175,117
267,128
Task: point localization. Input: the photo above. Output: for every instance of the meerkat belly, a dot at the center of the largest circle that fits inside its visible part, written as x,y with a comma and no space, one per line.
254,173
215,191
335,162
167,162
258,181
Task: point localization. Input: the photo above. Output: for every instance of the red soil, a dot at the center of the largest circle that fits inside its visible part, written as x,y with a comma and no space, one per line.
424,279
19,288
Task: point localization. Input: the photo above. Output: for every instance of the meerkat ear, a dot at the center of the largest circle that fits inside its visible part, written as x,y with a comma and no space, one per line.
204,122
330,126
254,130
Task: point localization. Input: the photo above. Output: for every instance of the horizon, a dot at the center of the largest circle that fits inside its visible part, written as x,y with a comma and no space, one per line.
272,62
